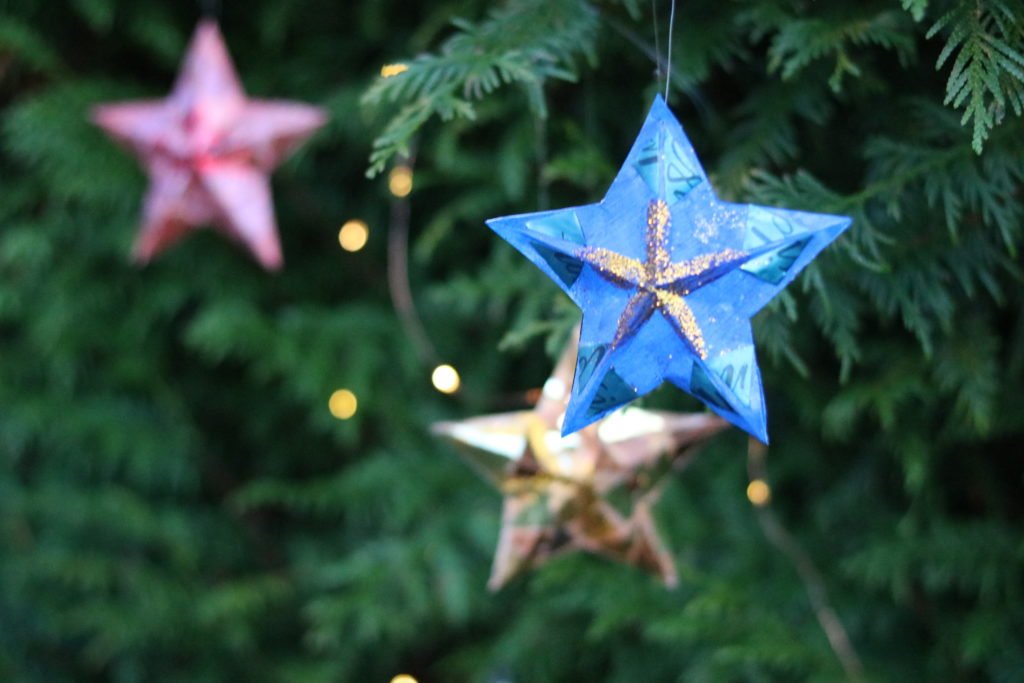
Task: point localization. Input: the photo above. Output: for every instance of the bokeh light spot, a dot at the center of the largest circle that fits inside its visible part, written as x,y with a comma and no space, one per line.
446,379
353,235
400,181
554,389
389,70
343,404
758,492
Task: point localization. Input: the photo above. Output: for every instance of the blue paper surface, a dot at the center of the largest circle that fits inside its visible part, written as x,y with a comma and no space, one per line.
668,277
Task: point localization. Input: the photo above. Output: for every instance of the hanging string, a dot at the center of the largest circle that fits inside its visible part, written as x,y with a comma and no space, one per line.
668,65
786,543
398,271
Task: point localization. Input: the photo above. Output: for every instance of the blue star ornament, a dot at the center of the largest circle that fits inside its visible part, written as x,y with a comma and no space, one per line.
668,277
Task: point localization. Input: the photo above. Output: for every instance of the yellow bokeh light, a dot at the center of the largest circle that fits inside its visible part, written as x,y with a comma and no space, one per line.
343,404
758,492
353,235
389,70
400,181
446,379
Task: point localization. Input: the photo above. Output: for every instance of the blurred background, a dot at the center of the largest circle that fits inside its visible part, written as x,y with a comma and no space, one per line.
181,499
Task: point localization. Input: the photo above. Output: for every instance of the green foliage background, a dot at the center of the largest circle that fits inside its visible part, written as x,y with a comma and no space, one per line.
177,504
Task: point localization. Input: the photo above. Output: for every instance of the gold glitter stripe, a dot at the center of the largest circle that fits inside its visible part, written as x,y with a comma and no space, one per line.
681,315
642,306
697,266
659,220
621,270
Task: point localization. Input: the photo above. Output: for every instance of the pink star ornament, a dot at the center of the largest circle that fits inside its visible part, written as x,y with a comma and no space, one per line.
209,150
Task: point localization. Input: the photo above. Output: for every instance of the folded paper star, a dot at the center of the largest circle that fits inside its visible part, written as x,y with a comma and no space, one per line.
668,277
208,151
560,493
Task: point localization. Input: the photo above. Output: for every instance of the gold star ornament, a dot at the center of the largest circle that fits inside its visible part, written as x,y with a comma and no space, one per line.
559,491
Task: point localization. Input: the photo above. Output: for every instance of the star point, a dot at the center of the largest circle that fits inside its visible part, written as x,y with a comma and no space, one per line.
668,277
208,150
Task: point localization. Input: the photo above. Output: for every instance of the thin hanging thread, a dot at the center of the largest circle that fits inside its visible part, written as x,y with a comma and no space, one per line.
814,584
668,64
398,274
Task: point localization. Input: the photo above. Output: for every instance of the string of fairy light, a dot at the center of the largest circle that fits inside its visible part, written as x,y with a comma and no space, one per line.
353,236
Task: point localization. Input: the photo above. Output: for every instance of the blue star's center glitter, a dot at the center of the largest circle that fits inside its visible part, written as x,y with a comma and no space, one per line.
660,284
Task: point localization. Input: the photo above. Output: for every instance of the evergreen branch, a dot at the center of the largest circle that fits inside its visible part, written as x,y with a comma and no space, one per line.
20,42
803,189
987,74
526,43
178,503
800,41
939,165
768,128
916,8
912,268
983,559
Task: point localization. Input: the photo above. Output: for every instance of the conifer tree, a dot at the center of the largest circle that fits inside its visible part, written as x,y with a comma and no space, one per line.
177,502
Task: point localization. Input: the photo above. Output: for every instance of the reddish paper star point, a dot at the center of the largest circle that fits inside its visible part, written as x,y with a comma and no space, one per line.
209,150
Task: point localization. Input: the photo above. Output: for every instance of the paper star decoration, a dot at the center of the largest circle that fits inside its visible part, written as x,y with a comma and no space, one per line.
668,277
558,490
208,151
